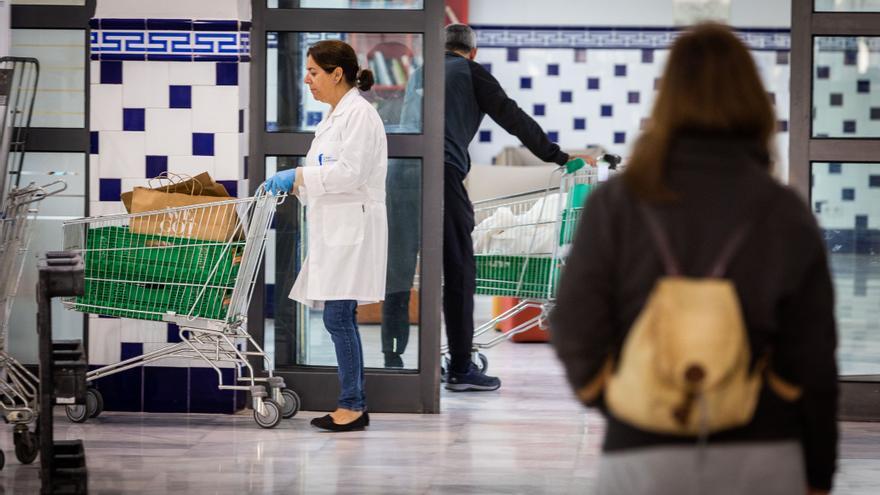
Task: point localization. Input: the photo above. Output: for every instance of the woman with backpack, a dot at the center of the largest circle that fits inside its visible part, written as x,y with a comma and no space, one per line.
696,309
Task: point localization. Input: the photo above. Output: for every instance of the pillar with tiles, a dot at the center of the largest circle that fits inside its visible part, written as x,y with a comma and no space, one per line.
169,93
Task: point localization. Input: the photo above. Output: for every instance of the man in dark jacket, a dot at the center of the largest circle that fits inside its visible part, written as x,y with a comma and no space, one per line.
471,93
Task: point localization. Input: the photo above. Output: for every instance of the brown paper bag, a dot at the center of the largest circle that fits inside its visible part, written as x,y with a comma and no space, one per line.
200,185
207,223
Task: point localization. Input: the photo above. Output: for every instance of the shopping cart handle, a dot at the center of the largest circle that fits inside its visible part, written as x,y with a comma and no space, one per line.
574,165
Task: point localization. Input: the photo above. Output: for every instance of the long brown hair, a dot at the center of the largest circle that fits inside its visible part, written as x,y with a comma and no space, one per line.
710,85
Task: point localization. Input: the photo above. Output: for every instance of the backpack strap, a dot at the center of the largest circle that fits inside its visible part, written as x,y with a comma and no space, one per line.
661,241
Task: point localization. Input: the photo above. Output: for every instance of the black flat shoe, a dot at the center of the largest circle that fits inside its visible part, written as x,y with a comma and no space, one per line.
326,423
366,418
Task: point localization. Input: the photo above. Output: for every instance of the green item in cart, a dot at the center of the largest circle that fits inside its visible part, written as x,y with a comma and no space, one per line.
151,301
575,201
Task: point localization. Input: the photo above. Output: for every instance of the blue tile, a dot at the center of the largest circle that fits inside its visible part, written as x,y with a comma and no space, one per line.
607,110
240,120
782,57
180,96
130,350
245,168
111,72
485,136
314,118
173,336
656,83
129,24
231,187
488,67
619,137
215,25
244,26
874,181
620,70
206,397
861,221
863,86
109,189
133,119
269,308
849,126
538,109
782,126
119,57
580,124
513,54
166,389
565,96
633,97
203,144
121,391
772,97
848,194
169,25
849,57
165,57
93,142
552,69
553,136
94,23
834,168
227,74
593,83
875,113
647,56
525,83
156,165
823,72
835,99
817,206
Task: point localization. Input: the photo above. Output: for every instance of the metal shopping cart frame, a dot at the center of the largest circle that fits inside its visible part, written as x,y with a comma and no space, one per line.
531,271
213,332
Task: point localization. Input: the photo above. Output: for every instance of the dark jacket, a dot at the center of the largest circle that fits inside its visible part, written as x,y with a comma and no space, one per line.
780,272
471,93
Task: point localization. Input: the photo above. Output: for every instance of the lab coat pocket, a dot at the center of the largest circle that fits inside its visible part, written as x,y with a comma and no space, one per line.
343,225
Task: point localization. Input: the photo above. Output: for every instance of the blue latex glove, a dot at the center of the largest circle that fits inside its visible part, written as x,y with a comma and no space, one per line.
281,182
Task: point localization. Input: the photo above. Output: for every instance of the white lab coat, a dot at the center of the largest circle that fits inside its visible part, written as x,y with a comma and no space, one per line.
344,195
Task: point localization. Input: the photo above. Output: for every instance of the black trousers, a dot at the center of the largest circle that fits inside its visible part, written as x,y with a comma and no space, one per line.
459,269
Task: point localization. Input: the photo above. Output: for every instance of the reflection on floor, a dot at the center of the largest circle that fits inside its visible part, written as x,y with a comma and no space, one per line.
857,288
530,437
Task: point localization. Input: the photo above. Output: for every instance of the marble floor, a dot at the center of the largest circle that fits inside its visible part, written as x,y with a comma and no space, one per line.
529,437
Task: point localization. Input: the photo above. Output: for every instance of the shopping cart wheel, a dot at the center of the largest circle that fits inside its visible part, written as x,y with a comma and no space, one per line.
99,402
79,413
2,459
291,403
27,445
484,362
271,416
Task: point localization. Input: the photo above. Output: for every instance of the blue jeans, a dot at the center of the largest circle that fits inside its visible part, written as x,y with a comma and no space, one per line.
340,319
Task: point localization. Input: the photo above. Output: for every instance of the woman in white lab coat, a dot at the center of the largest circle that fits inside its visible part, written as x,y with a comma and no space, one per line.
342,186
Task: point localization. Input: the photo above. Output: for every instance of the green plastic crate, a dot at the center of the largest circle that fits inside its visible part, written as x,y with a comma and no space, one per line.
114,253
499,275
129,300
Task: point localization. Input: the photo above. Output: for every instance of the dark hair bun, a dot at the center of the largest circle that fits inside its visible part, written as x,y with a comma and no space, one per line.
365,80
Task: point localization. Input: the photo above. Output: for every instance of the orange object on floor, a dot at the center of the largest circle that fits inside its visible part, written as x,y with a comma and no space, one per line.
535,334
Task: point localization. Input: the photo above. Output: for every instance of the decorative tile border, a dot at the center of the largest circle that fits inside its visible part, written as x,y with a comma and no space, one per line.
611,37
184,40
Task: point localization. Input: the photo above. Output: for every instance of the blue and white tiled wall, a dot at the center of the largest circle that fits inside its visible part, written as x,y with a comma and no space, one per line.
167,95
587,85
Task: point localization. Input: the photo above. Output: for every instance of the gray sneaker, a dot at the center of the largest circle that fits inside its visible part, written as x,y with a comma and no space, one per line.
473,380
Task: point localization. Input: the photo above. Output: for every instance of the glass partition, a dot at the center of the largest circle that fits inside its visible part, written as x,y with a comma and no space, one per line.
846,87
846,200
847,6
390,330
347,4
395,59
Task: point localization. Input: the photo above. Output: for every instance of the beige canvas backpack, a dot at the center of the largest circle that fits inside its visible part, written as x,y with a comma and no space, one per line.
685,366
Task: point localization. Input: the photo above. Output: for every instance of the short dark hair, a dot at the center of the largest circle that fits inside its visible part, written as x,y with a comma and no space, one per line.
460,38
330,54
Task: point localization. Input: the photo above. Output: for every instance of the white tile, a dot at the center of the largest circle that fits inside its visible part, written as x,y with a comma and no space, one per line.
226,156
145,84
104,340
191,74
106,107
243,188
101,208
122,154
143,331
95,71
130,184
244,75
168,131
215,108
191,165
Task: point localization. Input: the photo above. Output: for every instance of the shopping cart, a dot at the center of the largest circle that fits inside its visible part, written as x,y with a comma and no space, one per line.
520,245
194,266
19,388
